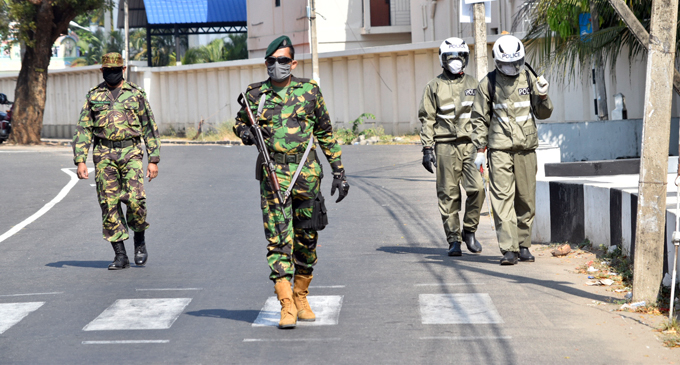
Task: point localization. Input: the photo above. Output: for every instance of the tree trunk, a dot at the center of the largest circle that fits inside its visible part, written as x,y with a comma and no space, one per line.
31,89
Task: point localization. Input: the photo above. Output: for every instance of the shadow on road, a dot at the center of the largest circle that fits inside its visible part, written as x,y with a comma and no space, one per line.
440,257
92,264
245,315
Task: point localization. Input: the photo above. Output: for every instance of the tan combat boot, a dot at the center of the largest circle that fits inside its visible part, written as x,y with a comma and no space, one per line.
288,310
300,295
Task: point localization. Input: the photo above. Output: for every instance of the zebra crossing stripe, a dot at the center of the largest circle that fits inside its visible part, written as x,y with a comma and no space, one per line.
139,314
13,313
325,307
458,308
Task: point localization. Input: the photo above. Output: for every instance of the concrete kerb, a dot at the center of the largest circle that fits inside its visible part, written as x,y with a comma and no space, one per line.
601,209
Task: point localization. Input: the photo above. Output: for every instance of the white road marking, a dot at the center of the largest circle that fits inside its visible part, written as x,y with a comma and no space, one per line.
458,308
93,184
326,307
122,342
28,294
466,338
167,289
13,313
139,314
450,284
326,286
17,151
47,207
290,339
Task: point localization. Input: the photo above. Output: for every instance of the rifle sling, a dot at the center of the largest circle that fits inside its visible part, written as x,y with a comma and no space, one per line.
302,163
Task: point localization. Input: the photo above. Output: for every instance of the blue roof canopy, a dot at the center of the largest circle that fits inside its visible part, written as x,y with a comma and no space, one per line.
158,14
184,17
195,11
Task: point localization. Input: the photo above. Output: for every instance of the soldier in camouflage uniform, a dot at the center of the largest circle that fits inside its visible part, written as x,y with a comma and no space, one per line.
445,135
115,117
293,112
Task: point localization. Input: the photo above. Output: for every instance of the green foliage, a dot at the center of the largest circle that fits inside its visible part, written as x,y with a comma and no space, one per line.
348,135
621,263
586,244
163,48
232,47
563,17
360,120
94,45
22,15
553,41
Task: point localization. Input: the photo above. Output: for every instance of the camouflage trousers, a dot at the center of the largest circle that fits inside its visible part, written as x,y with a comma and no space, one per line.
291,250
120,179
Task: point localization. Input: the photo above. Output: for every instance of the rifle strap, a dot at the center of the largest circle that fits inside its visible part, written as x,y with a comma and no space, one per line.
302,163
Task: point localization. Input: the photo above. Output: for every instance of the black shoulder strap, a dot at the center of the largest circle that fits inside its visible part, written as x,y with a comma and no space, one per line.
491,88
531,93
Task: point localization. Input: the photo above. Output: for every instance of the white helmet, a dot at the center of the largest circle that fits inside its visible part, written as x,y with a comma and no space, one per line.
508,54
451,49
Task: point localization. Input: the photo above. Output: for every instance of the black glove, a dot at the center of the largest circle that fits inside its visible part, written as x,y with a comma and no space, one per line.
247,138
428,159
339,183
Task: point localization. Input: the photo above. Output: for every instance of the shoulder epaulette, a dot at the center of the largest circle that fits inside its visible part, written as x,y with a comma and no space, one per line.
136,87
94,89
255,85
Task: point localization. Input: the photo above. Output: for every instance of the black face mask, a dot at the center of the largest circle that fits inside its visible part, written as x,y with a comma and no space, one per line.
113,76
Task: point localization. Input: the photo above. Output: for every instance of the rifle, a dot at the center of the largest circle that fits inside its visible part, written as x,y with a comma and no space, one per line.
262,148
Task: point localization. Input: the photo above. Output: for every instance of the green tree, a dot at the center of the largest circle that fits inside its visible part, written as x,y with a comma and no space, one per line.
555,44
91,48
163,48
38,24
232,47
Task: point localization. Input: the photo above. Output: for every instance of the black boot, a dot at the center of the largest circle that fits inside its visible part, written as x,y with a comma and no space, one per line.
454,249
140,249
525,255
121,260
471,242
509,258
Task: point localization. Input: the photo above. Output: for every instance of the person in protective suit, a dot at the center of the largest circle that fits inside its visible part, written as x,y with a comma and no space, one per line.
507,103
445,134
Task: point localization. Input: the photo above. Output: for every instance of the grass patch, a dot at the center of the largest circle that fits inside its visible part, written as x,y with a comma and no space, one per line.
670,331
209,132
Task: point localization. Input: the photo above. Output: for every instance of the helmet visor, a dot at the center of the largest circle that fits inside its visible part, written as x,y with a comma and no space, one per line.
512,68
450,56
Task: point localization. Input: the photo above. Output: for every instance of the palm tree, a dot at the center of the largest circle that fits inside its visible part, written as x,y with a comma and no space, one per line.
232,47
555,43
163,48
92,48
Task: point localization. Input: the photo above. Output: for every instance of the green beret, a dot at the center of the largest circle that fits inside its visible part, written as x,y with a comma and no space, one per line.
113,59
278,43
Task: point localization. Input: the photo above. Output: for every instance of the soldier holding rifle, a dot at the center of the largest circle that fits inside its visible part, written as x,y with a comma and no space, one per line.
283,116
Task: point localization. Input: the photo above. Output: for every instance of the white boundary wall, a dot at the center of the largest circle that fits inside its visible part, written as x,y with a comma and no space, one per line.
385,81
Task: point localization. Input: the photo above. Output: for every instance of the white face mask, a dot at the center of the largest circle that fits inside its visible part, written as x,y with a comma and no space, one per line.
455,66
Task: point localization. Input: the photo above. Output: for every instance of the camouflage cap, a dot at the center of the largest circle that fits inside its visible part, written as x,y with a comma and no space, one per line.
113,59
278,43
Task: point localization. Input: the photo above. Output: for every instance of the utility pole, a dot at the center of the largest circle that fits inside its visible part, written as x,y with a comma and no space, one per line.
600,86
127,42
651,214
314,44
479,18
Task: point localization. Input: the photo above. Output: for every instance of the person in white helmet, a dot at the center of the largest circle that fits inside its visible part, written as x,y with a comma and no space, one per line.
445,134
507,104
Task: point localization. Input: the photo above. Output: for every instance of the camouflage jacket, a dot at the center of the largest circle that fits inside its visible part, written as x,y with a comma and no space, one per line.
287,123
129,116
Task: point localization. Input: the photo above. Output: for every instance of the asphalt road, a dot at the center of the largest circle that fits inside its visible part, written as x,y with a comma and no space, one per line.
391,293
